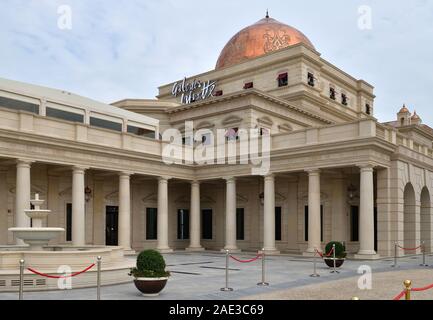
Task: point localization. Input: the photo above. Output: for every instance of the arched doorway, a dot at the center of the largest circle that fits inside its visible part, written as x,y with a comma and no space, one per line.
410,221
426,219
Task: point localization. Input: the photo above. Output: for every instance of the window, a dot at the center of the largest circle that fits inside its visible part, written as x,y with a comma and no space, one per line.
249,85
183,224
64,115
232,134
151,223
306,223
105,124
283,80
206,139
278,224
206,220
311,79
218,93
367,109
240,224
69,222
141,132
18,105
354,223
344,99
402,122
332,94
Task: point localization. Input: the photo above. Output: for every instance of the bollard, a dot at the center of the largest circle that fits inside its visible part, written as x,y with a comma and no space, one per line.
408,286
315,274
227,289
395,255
263,283
424,262
335,260
21,292
98,279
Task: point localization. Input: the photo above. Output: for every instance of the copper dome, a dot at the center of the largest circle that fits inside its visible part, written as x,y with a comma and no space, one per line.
265,36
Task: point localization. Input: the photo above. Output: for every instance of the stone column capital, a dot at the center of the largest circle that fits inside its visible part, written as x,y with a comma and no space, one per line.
164,179
24,162
78,169
230,179
313,172
195,182
366,167
270,177
125,174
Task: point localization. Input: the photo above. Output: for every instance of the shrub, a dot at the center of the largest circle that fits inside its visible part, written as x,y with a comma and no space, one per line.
150,264
340,250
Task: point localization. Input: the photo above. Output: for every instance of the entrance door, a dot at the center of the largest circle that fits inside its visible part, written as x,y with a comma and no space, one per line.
112,226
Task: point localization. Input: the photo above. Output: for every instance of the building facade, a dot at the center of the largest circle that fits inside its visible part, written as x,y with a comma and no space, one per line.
336,173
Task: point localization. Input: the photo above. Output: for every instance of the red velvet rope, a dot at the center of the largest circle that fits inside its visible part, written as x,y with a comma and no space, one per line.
423,289
246,261
401,295
409,249
60,277
325,255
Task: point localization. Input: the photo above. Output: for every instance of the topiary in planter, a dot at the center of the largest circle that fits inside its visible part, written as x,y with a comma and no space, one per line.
340,254
150,264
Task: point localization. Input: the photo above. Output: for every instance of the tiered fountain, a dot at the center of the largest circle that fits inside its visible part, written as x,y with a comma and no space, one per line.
37,236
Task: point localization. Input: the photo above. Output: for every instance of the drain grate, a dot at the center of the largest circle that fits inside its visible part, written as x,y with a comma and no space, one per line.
2,283
196,263
41,282
188,273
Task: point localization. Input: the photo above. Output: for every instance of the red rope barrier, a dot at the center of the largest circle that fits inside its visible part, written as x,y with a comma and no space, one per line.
60,277
423,289
401,295
410,249
246,261
325,255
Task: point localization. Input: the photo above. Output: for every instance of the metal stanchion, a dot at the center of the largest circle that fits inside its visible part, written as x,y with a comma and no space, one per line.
98,280
395,255
408,286
424,262
227,289
21,292
335,260
263,283
315,274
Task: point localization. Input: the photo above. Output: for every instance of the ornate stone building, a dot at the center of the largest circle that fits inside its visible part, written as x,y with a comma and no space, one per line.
336,173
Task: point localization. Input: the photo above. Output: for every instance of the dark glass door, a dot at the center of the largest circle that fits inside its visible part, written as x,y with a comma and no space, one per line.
112,226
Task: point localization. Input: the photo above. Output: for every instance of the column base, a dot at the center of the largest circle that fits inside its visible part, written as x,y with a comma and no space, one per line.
198,249
271,252
165,250
366,256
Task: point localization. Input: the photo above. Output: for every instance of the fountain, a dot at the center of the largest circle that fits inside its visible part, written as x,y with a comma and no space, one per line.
37,236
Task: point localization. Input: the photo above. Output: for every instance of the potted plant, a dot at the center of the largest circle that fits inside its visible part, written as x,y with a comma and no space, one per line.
150,274
340,254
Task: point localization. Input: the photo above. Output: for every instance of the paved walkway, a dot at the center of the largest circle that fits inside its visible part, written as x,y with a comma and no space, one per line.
199,276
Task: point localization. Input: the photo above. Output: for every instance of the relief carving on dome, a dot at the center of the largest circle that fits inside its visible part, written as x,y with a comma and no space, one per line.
275,39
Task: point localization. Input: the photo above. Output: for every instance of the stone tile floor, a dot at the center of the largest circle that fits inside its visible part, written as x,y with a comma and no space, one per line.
199,276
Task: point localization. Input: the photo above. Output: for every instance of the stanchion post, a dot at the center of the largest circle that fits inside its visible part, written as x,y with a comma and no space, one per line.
98,279
21,292
263,283
395,255
334,257
315,274
424,262
227,289
408,286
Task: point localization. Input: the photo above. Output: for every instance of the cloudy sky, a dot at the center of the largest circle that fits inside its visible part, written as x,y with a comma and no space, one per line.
126,48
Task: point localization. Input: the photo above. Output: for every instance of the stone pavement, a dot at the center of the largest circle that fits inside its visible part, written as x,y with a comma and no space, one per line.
199,276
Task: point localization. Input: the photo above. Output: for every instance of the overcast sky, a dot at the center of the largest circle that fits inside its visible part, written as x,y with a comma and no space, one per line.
120,49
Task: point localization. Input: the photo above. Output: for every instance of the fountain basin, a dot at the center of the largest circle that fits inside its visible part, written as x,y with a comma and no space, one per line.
39,214
37,238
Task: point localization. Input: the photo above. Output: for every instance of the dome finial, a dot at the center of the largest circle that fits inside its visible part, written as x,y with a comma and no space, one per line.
267,13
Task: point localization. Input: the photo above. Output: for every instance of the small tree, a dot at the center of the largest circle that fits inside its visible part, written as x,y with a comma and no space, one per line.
150,264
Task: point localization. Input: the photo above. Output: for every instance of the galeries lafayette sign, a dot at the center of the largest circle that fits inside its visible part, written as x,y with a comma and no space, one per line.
193,91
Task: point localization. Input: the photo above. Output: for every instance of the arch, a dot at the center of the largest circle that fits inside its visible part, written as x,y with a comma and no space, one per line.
426,219
411,238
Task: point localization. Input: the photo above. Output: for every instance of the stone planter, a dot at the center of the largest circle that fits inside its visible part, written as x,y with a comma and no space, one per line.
330,262
150,287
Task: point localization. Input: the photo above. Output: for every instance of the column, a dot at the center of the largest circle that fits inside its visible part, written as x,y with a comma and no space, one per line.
231,214
22,196
163,215
78,208
3,208
366,214
195,219
269,215
125,210
314,219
